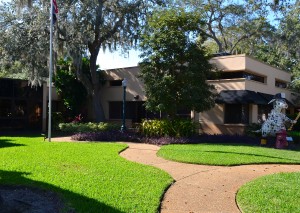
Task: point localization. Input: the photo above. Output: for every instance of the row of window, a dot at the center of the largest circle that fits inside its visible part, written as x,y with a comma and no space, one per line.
23,114
246,75
20,105
228,75
136,111
233,113
18,89
239,113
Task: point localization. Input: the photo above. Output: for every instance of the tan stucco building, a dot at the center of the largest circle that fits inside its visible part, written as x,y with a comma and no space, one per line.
245,86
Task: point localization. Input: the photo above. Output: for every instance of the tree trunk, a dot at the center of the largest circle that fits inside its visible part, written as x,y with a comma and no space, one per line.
96,97
97,106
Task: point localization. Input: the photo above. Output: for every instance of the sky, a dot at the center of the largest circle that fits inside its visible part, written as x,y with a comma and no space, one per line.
113,60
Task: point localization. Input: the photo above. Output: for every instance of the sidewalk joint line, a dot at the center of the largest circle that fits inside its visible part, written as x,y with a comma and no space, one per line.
197,173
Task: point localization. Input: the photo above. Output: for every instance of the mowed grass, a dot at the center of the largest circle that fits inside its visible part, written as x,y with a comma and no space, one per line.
227,154
90,177
272,193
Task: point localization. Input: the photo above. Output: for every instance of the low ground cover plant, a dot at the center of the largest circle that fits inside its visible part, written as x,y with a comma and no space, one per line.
271,193
227,154
90,177
112,135
132,136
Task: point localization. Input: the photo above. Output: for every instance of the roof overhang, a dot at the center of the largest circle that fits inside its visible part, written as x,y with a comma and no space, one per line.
245,97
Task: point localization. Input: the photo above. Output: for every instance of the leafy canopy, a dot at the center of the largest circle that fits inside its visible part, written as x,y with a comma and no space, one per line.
72,92
82,29
175,65
24,45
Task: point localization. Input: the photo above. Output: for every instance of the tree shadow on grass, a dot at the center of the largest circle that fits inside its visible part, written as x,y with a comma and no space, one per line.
4,143
73,202
22,133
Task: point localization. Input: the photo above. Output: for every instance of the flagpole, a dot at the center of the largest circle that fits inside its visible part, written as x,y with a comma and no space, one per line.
50,72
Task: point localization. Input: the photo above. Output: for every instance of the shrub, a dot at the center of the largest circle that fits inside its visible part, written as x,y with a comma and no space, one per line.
295,135
88,127
72,92
165,127
57,118
252,128
77,119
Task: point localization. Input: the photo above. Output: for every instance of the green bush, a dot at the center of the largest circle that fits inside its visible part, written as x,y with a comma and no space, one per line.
57,118
88,127
252,128
165,127
295,135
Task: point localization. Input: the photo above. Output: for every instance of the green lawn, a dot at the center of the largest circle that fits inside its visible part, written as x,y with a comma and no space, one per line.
278,193
90,177
272,193
227,155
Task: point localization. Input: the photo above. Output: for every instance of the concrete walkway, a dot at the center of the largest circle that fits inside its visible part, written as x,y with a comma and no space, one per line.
199,188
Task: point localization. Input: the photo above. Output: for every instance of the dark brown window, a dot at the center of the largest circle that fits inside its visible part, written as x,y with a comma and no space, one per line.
236,114
240,74
135,110
280,84
5,108
19,103
6,88
263,111
115,83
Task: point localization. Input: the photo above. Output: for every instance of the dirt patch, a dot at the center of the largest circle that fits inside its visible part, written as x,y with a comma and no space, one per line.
21,199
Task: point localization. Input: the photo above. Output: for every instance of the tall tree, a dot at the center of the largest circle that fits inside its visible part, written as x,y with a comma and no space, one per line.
228,22
289,41
83,27
175,66
23,41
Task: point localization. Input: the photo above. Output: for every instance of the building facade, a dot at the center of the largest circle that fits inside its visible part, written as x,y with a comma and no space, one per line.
20,105
245,87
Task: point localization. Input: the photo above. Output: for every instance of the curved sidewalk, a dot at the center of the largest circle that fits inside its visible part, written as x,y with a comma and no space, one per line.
200,188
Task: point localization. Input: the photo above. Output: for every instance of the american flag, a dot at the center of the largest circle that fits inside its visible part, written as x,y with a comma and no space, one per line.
55,10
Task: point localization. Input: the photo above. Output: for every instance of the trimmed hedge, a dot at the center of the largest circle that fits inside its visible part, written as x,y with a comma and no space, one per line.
88,127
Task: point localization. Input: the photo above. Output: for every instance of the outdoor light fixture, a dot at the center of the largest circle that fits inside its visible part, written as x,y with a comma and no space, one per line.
124,84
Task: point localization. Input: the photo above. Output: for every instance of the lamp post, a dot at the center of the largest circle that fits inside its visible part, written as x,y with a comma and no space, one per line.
124,84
